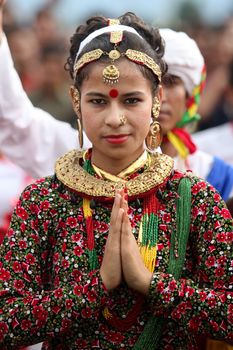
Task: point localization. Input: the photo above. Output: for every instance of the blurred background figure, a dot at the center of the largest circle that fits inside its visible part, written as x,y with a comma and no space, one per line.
217,102
46,26
214,132
182,89
218,139
12,181
39,50
25,49
51,95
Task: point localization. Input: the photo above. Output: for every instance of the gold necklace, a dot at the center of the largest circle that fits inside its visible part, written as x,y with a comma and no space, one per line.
69,171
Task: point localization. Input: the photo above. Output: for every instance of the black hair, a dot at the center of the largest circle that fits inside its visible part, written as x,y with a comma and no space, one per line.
151,43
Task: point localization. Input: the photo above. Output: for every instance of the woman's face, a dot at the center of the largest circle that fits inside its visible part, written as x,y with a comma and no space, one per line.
103,105
173,103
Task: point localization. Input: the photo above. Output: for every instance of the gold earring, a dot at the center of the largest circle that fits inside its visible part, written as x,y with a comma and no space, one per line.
155,108
123,119
80,132
75,95
154,137
76,106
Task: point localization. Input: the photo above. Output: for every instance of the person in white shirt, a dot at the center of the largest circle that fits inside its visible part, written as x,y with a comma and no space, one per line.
209,140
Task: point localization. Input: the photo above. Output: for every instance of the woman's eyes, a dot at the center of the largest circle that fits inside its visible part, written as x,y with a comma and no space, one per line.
132,100
98,101
102,101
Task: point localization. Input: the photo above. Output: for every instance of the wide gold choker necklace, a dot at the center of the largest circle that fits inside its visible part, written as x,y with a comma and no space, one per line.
69,171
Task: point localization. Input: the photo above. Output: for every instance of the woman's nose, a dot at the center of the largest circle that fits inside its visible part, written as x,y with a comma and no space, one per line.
113,117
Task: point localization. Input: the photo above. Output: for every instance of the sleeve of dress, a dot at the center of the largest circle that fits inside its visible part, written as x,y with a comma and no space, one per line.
30,137
31,308
203,301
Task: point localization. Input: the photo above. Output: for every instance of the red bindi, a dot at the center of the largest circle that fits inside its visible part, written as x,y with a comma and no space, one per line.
113,93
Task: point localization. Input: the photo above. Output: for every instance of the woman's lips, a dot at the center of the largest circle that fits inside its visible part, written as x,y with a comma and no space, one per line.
116,139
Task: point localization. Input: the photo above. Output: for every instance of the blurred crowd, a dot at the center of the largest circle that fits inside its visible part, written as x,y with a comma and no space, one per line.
216,45
39,50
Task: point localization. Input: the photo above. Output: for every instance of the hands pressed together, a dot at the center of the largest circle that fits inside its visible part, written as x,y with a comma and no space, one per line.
122,259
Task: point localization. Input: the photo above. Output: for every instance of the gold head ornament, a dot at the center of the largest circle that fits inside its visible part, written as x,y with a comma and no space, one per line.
111,73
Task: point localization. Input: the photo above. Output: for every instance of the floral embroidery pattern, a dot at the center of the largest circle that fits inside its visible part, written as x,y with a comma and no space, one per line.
48,294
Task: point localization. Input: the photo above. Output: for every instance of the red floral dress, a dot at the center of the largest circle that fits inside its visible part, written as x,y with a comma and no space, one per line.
48,294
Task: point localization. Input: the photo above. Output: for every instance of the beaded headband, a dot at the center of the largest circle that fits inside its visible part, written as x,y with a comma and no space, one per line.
111,73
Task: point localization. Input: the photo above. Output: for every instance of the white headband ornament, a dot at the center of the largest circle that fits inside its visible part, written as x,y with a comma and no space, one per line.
108,29
111,73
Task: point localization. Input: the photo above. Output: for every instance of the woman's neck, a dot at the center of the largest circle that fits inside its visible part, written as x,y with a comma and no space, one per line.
116,165
169,149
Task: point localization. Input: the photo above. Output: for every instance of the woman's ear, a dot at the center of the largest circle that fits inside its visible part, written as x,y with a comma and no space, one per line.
75,98
72,92
160,93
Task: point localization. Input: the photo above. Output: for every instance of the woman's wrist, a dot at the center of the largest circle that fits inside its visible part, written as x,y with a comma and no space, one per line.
145,281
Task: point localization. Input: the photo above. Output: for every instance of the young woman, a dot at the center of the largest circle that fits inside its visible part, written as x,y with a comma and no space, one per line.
117,249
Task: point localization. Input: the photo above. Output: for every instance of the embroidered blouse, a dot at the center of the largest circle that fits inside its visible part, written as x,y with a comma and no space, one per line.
48,293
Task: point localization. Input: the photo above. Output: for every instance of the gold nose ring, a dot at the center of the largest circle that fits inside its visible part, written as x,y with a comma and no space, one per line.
123,119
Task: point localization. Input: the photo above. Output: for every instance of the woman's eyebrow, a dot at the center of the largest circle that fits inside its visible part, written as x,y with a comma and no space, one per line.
133,93
127,94
94,93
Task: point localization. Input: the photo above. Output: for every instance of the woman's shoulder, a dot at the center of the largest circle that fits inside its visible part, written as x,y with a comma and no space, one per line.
44,187
195,180
46,181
